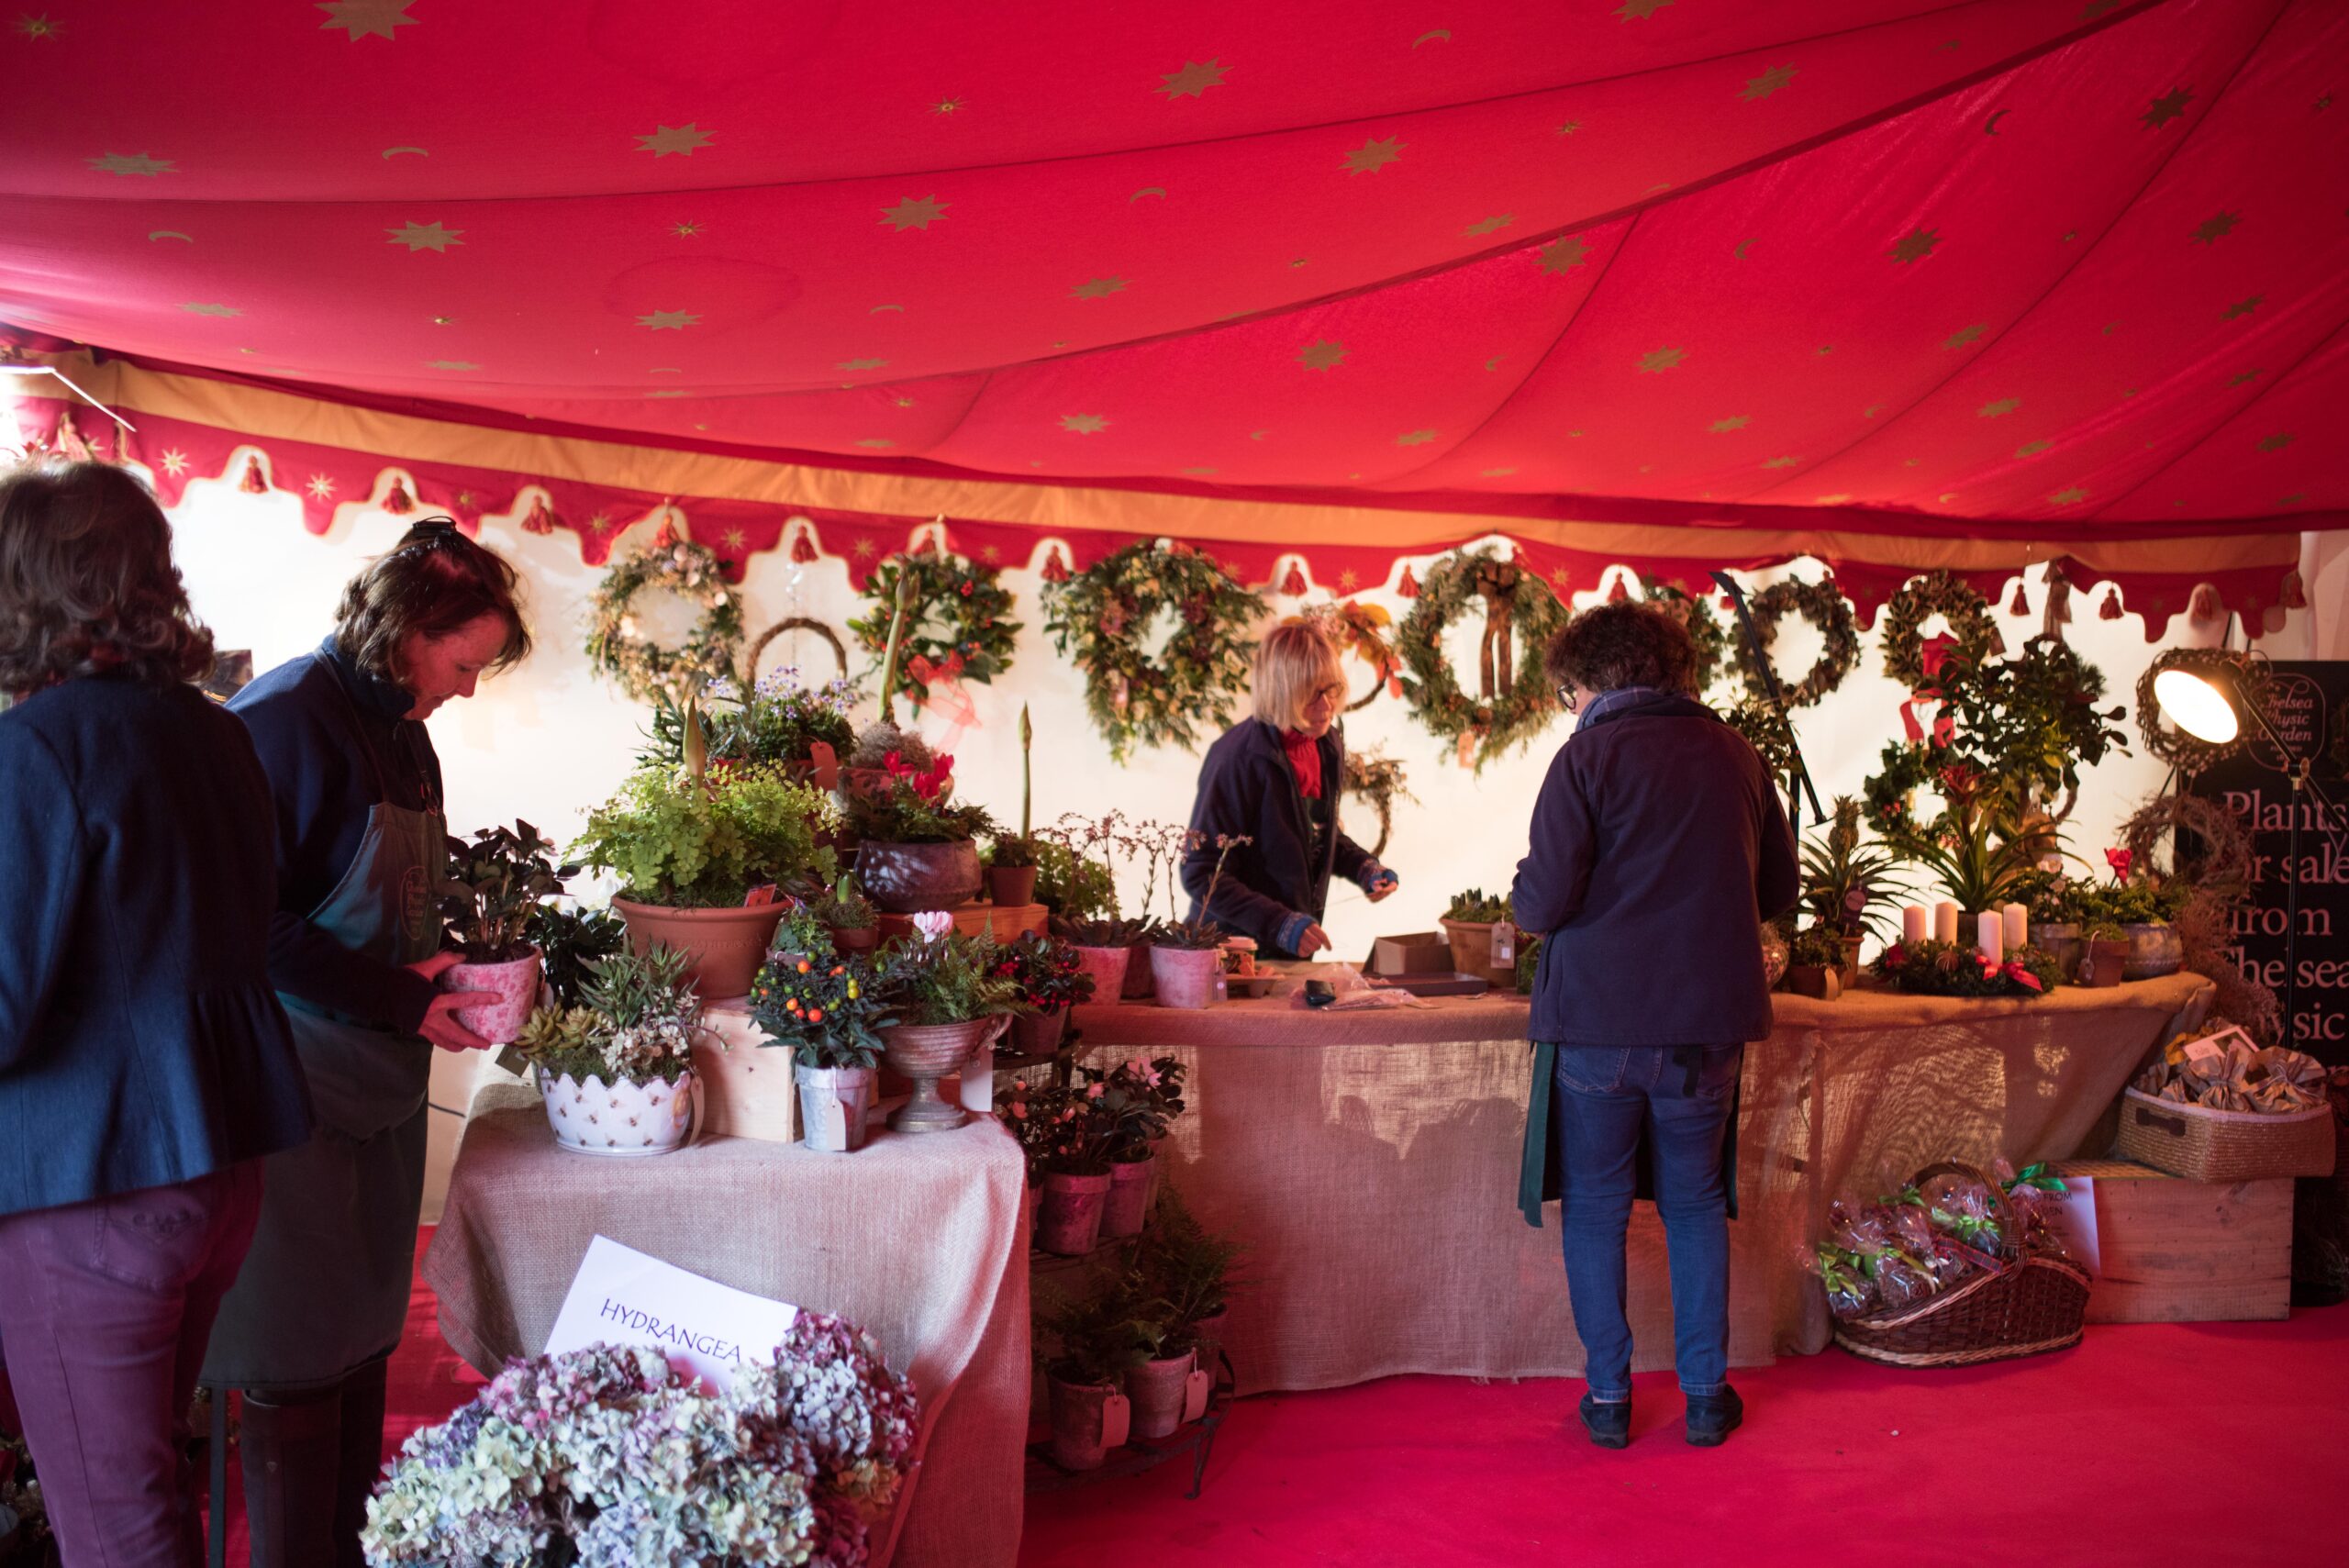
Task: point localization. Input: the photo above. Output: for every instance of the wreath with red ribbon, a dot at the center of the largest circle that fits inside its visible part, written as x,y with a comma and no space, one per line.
1514,700
958,621
1914,659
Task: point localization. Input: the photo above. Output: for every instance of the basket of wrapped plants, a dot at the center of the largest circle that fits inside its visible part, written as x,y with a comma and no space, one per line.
2218,1107
1954,1269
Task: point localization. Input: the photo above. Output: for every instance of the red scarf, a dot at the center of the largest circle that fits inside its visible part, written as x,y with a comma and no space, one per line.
1304,756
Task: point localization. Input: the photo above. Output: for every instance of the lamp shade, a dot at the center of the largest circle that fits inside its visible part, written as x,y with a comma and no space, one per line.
2196,705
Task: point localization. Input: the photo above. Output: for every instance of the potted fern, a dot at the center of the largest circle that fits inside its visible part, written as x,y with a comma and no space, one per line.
494,888
946,1002
1095,1340
615,1071
825,1007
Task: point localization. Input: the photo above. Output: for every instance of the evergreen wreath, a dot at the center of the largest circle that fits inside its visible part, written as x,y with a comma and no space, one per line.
644,669
1516,701
1954,599
958,621
1137,697
1695,611
1825,608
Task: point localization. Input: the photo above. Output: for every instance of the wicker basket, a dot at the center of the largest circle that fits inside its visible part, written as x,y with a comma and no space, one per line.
2008,1306
2206,1145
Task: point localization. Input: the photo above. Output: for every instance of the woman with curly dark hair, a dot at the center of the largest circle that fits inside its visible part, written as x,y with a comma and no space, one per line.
145,1065
355,953
1658,848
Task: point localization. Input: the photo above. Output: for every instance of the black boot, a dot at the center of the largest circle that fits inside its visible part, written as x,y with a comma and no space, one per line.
1609,1422
291,1455
360,1461
1712,1418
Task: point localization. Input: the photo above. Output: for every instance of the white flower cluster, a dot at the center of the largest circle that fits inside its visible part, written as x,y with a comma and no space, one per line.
642,1050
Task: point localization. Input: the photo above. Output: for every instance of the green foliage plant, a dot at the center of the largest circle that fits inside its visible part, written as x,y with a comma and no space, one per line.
494,888
824,1006
951,979
570,941
703,843
1476,907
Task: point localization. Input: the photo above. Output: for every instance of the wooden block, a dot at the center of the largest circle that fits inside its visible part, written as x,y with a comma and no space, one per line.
1005,921
2181,1252
747,1090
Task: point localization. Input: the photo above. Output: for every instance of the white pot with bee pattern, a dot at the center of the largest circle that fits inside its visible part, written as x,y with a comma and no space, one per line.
624,1118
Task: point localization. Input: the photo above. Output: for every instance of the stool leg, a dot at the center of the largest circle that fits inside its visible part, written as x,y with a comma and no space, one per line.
216,1524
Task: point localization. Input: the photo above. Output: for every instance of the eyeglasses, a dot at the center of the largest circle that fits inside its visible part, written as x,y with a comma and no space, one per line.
1568,698
1331,694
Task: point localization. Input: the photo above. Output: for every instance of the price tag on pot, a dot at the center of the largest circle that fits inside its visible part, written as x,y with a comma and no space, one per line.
1504,942
1116,1421
761,896
834,1132
1196,1388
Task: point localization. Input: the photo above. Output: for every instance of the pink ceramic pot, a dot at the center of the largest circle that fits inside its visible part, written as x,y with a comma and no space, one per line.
1107,967
1155,1389
516,980
1128,1206
1068,1220
1185,977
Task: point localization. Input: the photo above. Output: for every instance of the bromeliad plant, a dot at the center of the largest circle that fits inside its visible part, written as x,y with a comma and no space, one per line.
1979,851
495,888
1845,883
911,805
636,1022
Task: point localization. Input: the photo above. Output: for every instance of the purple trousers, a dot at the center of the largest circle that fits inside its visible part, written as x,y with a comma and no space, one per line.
104,1318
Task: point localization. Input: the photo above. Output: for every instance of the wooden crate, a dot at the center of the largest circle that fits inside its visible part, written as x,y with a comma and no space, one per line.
747,1089
2172,1250
1005,921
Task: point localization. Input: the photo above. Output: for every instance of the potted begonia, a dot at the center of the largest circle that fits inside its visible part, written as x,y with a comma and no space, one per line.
946,1003
1053,978
1468,927
615,1071
915,849
1091,1343
825,1007
495,884
1141,1099
1065,1132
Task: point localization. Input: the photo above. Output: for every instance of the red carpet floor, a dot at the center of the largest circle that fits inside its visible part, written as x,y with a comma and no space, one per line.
2208,1444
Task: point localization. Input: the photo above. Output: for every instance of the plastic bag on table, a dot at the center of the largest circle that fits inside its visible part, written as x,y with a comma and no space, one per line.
1354,992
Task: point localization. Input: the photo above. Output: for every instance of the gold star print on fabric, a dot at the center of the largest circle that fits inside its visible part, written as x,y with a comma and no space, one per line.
1655,362
1414,438
175,463
424,236
1734,422
685,140
914,212
1639,10
2217,227
990,554
135,163
1915,246
2276,443
1193,80
861,364
600,524
1559,255
2004,406
736,539
1570,127
685,230
2032,449
945,106
1781,461
862,550
1322,355
367,18
38,27
1373,156
2165,108
1964,335
2243,308
1083,424
1769,81
668,320
194,309
450,365
320,487
1559,577
1098,288
1348,580
1489,225
2069,496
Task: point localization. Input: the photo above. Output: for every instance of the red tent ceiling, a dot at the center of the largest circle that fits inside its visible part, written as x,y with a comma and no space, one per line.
2013,268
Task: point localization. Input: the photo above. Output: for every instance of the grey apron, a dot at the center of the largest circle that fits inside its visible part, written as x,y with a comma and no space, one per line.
325,1289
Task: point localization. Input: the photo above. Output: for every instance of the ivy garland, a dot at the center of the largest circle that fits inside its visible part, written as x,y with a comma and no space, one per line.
1137,697
958,621
1822,605
1953,598
1519,607
644,669
1695,613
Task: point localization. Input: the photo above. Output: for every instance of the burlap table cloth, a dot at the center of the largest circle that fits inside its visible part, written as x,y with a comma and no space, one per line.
923,1240
1369,1160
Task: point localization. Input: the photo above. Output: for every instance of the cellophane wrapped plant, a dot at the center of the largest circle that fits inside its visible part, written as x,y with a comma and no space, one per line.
947,979
1046,970
913,805
824,1004
1933,968
494,885
1912,1244
691,841
608,1457
635,1022
778,721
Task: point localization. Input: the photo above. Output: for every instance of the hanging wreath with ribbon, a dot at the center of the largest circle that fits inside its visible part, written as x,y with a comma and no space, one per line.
2250,677
1362,630
1825,608
1705,627
958,621
1139,698
1973,633
1514,700
617,646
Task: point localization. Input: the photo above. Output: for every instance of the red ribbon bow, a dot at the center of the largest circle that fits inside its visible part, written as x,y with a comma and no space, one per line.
2021,976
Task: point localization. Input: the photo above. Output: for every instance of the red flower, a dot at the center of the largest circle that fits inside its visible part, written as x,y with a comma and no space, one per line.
1934,652
2119,861
1896,955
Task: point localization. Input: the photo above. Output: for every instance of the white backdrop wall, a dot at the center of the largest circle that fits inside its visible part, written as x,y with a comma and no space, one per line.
549,739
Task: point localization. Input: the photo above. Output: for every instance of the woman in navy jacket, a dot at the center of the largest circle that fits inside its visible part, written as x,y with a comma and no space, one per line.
145,1066
1275,780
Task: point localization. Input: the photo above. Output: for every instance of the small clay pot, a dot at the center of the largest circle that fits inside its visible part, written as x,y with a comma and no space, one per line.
2104,964
1127,1208
855,938
1108,966
1156,1389
1068,1220
1815,980
1076,1423
1012,888
1472,952
1038,1034
1185,977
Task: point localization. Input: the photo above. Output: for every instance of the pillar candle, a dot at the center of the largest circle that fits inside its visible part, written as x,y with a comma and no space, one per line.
1913,924
1945,921
978,1082
2017,924
1992,928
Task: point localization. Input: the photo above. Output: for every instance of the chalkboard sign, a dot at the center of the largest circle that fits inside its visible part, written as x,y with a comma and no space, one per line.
2308,705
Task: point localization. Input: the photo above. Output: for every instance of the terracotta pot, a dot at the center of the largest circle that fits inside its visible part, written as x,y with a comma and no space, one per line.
926,1052
833,1105
1141,981
1127,1208
1814,980
1850,973
1068,1221
1209,1332
1108,966
724,947
516,984
1185,977
1038,1034
854,938
1156,1388
621,1119
2155,950
2059,940
1472,952
905,879
2103,963
1076,1423
1012,887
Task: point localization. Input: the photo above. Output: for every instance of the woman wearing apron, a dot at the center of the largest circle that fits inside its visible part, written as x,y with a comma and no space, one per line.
354,950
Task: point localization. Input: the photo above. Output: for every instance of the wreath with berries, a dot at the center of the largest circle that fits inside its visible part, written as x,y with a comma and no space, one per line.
645,669
1825,608
1515,702
1953,598
958,621
1696,612
1140,698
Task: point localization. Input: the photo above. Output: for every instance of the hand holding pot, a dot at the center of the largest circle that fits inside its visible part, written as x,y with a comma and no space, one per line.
440,1026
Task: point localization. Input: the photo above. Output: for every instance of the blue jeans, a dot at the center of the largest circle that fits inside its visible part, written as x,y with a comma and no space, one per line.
1680,1097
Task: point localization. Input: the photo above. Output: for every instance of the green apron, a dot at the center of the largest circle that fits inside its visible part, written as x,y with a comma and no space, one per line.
325,1289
